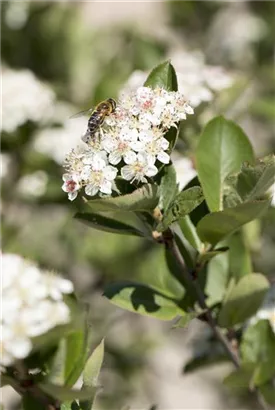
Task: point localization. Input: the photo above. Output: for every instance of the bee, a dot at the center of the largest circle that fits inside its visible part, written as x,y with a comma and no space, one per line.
97,117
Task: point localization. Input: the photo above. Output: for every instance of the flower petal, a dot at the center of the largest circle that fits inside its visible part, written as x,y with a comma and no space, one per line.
91,190
127,172
163,157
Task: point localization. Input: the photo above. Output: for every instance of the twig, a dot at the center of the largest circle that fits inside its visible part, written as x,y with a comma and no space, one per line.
170,243
172,246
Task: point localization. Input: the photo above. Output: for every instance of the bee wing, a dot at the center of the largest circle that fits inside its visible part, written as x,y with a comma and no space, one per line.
86,137
82,113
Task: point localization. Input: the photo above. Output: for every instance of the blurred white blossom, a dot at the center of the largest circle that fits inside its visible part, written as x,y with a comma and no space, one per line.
34,184
234,30
184,169
267,310
5,163
55,142
24,98
32,304
17,13
196,80
132,136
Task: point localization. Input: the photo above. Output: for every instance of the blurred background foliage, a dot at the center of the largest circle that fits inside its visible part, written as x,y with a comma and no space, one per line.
84,52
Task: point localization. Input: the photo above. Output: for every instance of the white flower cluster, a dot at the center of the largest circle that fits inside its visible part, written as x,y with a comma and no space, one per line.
32,304
128,145
267,310
196,80
24,98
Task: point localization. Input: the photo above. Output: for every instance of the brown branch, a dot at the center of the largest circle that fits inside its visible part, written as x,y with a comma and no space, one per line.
188,277
191,278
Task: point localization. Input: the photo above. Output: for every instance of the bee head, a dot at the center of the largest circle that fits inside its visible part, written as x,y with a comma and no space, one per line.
113,103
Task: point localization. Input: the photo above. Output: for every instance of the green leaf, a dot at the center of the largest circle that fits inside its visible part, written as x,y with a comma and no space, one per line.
91,374
186,319
64,393
70,406
76,355
102,223
222,148
181,206
239,256
162,281
217,279
163,76
204,360
141,299
93,366
189,231
168,187
255,181
241,378
243,300
207,256
142,199
218,225
252,182
258,347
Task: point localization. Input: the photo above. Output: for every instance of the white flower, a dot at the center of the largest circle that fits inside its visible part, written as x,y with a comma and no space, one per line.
119,146
133,135
138,167
154,148
196,80
24,98
99,176
71,185
32,304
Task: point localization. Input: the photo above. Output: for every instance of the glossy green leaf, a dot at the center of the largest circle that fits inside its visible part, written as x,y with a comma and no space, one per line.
189,232
68,361
102,223
251,183
168,187
141,299
204,360
239,255
142,199
207,256
70,406
243,300
163,76
241,378
222,148
218,225
258,347
186,319
217,278
64,393
91,374
254,181
181,206
76,355
162,281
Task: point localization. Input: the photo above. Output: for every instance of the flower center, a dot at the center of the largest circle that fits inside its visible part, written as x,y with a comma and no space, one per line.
70,185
